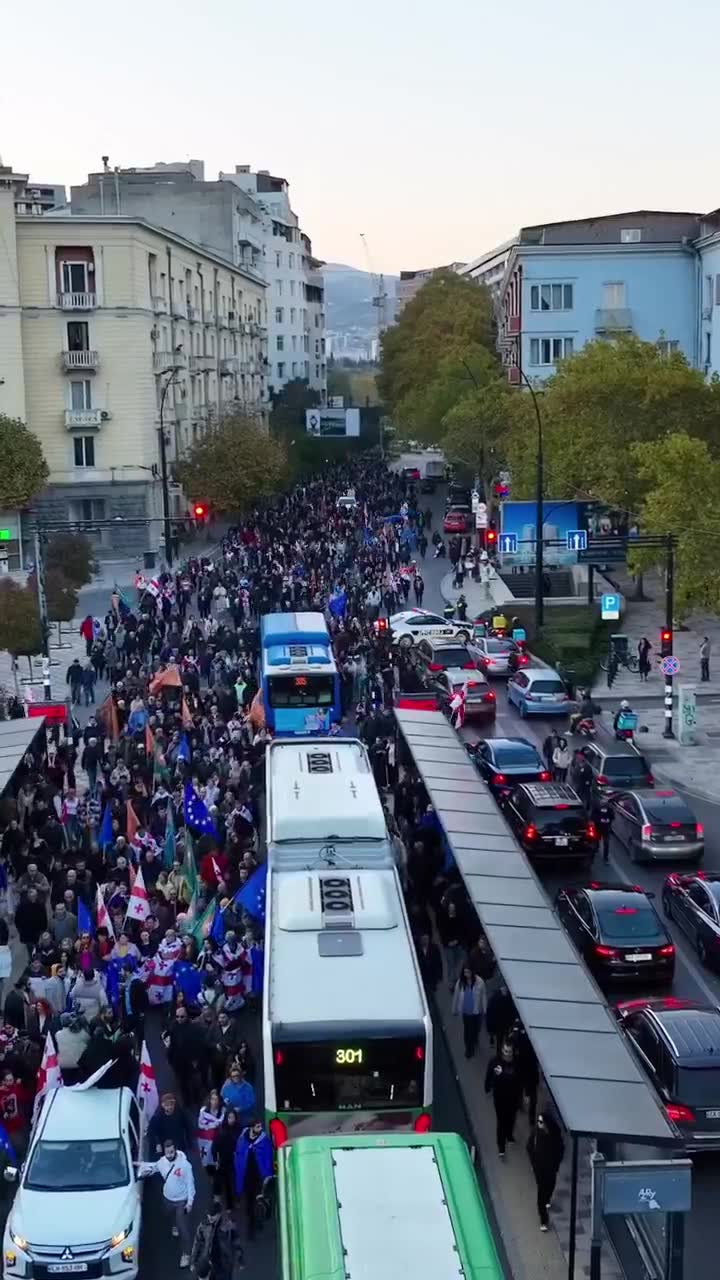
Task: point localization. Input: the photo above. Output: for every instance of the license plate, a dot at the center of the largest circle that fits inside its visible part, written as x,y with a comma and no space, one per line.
66,1268
712,1115
640,955
562,842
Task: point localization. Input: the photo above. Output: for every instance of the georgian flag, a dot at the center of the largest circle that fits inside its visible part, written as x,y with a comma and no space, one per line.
102,914
49,1075
457,708
147,1090
138,906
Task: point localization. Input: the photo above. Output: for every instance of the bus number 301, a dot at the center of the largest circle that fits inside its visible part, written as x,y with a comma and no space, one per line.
348,1057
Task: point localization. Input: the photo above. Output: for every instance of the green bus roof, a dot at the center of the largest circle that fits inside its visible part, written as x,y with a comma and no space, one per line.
370,1207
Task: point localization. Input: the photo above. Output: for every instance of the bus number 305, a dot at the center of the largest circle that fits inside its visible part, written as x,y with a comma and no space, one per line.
348,1057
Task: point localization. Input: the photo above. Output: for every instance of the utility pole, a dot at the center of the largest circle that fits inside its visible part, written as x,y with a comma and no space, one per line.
539,499
164,473
42,612
669,610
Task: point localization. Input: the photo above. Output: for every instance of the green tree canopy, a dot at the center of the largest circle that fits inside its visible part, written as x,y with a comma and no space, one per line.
449,320
72,555
600,403
233,465
290,403
339,383
476,431
60,595
20,630
24,470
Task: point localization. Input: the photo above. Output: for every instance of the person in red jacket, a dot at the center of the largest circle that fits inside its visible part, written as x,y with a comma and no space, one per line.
213,868
87,631
15,1103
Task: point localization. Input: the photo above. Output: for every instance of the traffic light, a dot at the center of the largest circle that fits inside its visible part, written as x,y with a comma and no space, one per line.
200,512
666,642
491,539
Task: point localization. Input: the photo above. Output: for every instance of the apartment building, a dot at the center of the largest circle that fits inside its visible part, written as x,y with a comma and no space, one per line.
248,219
33,197
110,327
296,289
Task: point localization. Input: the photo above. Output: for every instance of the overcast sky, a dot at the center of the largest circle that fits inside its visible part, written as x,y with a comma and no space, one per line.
436,129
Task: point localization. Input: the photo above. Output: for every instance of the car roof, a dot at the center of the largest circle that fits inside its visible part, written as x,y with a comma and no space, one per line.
613,895
653,801
512,742
69,1114
463,675
617,748
541,673
444,642
692,1029
546,795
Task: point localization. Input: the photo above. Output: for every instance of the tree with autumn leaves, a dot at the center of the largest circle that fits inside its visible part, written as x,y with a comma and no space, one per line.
233,466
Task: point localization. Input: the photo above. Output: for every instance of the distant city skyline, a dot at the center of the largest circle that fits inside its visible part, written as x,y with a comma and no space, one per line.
435,135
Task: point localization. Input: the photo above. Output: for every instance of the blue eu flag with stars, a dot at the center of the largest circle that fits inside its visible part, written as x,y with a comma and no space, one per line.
196,813
252,894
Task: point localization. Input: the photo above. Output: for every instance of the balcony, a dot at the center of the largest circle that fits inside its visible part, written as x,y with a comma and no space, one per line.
181,410
613,320
229,365
209,319
159,304
84,419
233,321
166,360
77,301
72,360
192,311
201,364
178,310
513,324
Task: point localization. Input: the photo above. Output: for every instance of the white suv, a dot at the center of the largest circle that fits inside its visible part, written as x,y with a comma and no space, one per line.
77,1208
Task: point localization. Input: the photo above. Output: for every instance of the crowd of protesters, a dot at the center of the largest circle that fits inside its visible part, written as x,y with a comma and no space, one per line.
131,858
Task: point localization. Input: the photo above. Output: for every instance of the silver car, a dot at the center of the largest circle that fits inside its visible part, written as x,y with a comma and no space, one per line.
496,656
657,825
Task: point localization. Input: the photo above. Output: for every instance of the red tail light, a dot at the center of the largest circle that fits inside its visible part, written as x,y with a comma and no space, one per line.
699,830
500,777
423,1124
489,696
605,953
602,779
646,831
675,825
668,950
561,806
278,1133
278,1057
435,666
591,831
650,779
522,660
468,666
544,776
530,832
681,1115
419,1053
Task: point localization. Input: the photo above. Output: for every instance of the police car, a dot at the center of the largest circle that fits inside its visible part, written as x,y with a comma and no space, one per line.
413,624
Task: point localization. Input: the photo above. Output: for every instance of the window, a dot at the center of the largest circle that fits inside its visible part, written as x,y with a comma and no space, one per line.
294,369
317,370
278,259
630,235
550,350
84,451
293,313
279,315
78,335
317,322
717,290
708,293
281,370
81,394
75,277
666,346
307,368
280,342
278,287
551,297
613,295
317,346
292,288
294,342
86,510
708,348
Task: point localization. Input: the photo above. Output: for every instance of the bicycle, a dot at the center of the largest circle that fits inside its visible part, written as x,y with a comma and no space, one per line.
629,660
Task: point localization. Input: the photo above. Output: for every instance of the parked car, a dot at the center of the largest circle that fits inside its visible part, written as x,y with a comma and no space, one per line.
412,624
432,655
498,657
505,762
693,903
538,691
657,825
77,1206
457,520
458,495
615,766
480,700
549,820
677,1043
618,933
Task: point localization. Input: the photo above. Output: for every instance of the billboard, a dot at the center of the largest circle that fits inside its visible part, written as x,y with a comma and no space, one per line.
332,422
559,519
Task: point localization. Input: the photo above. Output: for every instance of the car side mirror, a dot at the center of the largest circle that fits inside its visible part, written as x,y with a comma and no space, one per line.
10,1173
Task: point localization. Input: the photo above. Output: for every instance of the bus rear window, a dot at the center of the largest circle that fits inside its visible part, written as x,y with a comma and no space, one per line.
349,1074
302,690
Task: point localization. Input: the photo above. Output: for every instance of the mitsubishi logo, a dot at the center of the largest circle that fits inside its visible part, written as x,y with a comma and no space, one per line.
67,1254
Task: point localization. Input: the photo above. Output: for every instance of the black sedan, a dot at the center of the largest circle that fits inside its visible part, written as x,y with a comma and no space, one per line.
505,762
618,933
693,902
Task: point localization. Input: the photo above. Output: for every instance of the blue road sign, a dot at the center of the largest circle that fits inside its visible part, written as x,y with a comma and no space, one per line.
508,543
576,539
610,608
670,665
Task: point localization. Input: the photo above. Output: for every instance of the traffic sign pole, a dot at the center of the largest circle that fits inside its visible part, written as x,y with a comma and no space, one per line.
669,610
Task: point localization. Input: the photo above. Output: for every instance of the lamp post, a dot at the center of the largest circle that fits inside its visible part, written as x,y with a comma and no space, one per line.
539,494
163,469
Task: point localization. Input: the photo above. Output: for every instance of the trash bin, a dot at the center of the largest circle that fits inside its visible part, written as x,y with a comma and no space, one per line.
619,645
148,559
568,675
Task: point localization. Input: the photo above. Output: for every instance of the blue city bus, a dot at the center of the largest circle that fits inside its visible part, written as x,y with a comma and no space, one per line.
300,682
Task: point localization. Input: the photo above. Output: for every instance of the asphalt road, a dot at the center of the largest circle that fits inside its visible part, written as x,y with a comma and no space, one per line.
692,980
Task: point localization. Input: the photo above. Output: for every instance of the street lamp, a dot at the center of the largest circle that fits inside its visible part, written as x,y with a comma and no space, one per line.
163,467
539,522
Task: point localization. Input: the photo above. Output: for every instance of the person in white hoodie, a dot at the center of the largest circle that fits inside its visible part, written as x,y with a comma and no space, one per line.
178,1191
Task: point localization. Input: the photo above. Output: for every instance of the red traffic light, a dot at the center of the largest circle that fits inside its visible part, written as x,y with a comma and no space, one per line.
666,642
491,537
200,510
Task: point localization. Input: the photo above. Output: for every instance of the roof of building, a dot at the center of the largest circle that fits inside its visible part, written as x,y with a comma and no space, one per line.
15,738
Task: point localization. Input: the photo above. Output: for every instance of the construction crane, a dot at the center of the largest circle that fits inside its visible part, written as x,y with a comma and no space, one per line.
380,296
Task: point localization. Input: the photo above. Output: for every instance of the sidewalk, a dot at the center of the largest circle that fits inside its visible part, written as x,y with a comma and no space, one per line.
532,1254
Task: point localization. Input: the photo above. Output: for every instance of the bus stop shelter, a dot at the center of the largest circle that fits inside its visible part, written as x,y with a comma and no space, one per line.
598,1087
16,738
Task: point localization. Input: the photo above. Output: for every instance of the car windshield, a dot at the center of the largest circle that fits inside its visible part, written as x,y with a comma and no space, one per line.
452,656
699,1086
662,812
518,753
564,819
625,767
499,646
547,686
628,921
91,1165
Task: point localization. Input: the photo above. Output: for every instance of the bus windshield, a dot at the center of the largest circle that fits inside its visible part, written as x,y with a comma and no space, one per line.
305,690
349,1075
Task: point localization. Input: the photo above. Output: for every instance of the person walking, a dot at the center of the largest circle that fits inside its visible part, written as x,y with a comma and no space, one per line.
470,1002
223,1158
548,747
705,647
253,1167
546,1149
644,648
603,818
561,758
503,1081
74,677
419,585
178,1186
216,1252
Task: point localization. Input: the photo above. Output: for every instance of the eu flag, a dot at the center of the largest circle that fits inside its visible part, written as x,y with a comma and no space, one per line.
6,1145
84,919
105,834
217,928
252,894
184,753
196,812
